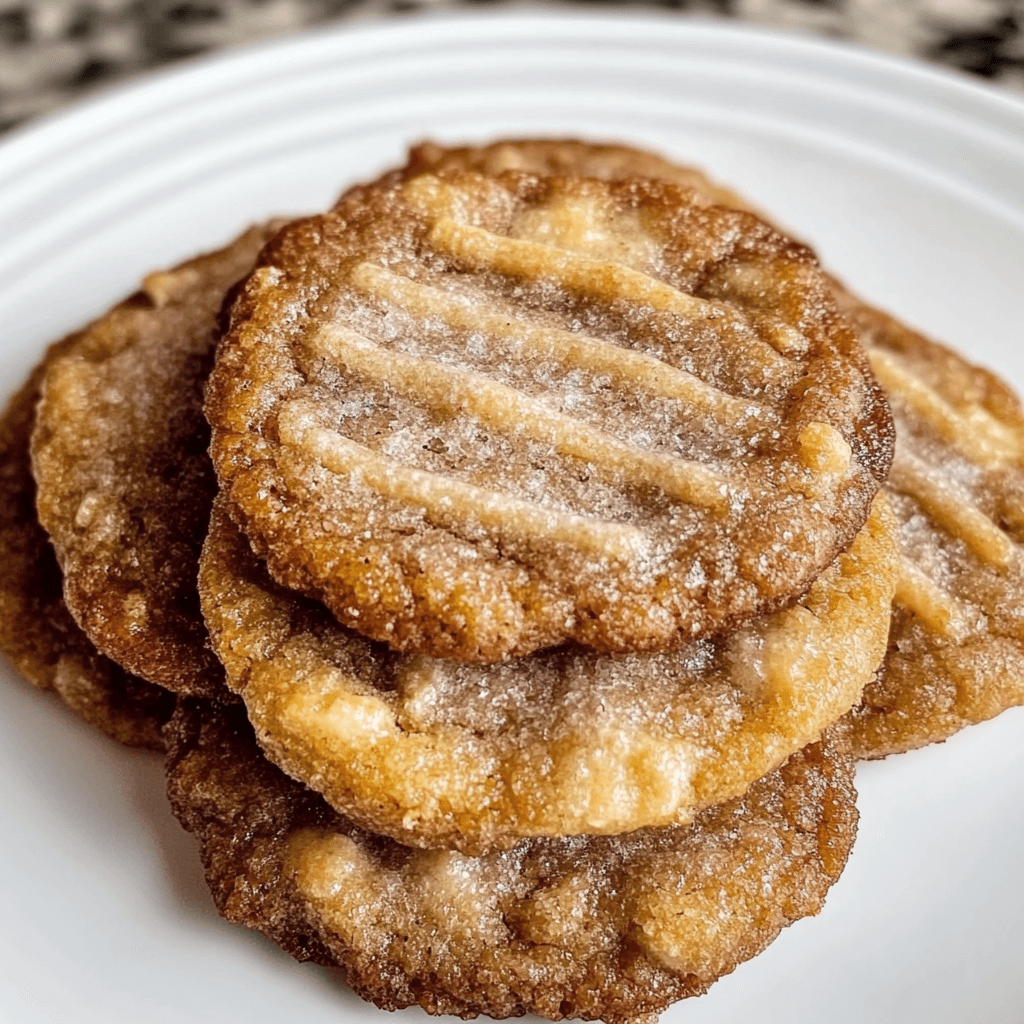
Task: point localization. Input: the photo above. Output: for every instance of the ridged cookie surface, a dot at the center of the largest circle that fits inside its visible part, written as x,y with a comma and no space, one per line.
434,752
479,416
956,646
608,928
37,631
124,482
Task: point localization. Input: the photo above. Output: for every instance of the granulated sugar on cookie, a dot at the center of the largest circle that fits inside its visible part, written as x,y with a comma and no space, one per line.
610,928
479,416
956,646
124,482
37,631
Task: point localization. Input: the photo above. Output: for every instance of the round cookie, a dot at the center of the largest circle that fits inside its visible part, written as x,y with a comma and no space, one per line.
435,752
956,645
604,928
481,416
37,632
124,482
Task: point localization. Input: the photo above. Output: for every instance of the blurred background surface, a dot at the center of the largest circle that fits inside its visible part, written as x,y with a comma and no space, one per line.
52,51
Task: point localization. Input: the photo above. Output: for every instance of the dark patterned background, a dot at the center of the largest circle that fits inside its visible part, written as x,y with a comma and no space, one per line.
54,50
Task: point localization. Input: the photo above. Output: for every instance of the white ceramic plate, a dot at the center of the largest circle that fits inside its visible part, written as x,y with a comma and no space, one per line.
911,184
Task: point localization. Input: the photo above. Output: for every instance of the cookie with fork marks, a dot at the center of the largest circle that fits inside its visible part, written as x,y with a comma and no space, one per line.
479,416
956,645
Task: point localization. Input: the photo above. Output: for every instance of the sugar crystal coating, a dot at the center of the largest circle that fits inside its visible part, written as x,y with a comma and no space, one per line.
478,416
124,482
610,928
436,752
956,645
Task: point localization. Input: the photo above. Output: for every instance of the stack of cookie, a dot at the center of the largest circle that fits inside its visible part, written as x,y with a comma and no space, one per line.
549,567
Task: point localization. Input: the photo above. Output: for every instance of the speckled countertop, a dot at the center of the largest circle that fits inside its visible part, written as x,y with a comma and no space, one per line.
52,51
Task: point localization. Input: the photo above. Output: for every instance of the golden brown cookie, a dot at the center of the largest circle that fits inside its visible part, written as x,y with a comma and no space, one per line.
37,632
956,646
435,752
124,482
606,928
481,416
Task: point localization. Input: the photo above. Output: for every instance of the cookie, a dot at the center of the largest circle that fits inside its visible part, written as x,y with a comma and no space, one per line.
607,928
478,416
37,632
956,645
435,752
124,482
